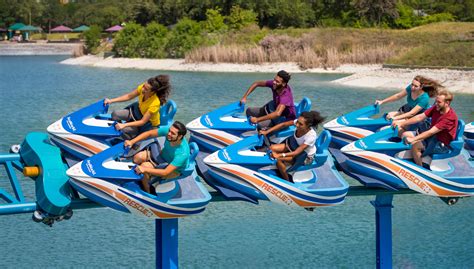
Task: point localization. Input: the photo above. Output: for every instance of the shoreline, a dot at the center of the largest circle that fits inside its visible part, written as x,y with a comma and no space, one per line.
38,48
369,76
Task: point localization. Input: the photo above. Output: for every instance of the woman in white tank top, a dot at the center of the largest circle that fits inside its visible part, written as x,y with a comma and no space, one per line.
301,142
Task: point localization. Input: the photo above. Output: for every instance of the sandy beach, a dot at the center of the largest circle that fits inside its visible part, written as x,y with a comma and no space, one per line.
373,76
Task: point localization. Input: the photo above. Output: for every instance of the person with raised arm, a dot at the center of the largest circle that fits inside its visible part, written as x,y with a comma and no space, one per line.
281,108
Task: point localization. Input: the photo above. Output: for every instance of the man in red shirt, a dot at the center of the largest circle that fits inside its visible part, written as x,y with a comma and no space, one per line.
444,123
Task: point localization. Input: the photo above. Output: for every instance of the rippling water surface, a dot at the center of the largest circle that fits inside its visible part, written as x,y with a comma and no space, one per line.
36,91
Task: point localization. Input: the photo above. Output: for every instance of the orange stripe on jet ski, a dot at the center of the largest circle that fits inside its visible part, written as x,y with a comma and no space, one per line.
123,198
354,134
445,193
162,215
258,183
303,203
255,181
389,165
223,139
85,145
109,191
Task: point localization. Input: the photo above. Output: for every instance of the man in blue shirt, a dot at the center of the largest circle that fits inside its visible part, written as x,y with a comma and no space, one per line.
175,154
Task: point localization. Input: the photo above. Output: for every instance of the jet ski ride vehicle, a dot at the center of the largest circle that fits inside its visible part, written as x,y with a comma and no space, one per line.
378,161
110,179
355,125
227,125
469,138
90,130
240,172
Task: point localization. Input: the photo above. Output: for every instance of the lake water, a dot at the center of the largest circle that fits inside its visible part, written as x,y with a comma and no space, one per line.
36,91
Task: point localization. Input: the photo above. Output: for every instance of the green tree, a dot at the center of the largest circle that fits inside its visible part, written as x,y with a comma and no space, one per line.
92,37
185,36
407,17
214,22
377,11
155,40
130,41
54,14
240,18
143,12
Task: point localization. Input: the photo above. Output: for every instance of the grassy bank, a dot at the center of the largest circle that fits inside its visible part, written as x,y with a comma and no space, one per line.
440,44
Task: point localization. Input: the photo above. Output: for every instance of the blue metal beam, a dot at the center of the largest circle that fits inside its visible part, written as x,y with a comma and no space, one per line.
383,221
14,181
166,238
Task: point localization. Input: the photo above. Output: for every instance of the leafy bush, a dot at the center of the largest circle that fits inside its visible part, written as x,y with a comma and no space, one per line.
185,36
240,18
130,41
92,37
437,18
155,40
407,18
214,22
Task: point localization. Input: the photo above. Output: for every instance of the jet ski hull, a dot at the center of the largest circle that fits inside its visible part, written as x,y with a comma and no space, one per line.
113,183
377,158
253,175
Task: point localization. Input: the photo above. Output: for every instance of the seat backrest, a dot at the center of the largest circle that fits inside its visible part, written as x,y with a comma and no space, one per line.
456,145
304,105
194,150
167,112
322,144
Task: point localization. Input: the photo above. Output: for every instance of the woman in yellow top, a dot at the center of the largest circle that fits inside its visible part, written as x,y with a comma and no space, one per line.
146,115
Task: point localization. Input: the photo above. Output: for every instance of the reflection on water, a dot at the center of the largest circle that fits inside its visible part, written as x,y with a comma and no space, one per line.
35,91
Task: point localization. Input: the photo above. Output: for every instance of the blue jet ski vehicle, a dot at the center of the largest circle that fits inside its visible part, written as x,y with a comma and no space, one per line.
90,130
109,178
377,161
240,172
355,125
469,138
227,125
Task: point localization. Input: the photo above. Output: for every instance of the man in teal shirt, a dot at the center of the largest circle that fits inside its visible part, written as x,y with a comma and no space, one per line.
175,153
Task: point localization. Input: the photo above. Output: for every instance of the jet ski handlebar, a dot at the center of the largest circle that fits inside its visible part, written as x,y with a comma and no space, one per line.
383,140
362,117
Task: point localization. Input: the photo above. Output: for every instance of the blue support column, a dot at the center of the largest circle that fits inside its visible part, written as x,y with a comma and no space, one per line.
383,217
166,236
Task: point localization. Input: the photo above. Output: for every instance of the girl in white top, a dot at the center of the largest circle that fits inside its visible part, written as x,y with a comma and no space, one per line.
302,141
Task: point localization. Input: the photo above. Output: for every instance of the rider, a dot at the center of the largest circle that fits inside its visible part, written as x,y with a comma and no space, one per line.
146,114
418,95
175,154
281,105
301,142
444,124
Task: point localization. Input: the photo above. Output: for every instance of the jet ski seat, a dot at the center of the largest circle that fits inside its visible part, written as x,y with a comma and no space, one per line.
456,145
304,105
194,150
167,112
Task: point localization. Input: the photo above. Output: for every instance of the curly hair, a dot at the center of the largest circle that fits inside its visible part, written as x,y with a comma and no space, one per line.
312,118
160,85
